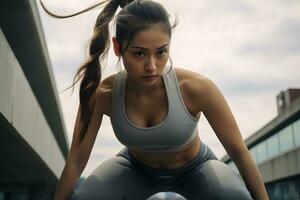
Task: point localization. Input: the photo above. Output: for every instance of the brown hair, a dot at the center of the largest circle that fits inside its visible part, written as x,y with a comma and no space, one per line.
135,15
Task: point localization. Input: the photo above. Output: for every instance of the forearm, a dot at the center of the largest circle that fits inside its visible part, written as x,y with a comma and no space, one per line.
65,186
251,176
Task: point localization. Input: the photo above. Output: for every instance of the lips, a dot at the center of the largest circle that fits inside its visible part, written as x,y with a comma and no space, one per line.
150,76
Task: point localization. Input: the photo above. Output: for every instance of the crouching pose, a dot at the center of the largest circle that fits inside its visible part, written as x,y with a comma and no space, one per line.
154,109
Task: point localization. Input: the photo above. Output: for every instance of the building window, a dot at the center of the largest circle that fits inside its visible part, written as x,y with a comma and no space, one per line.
296,130
261,152
286,139
273,146
274,191
289,190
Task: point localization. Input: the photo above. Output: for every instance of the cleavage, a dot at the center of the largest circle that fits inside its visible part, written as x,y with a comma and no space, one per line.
146,112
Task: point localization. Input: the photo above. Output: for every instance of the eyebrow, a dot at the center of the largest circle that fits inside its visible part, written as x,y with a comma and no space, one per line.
145,49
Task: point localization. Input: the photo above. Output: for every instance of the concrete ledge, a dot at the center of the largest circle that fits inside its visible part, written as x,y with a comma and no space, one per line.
20,23
20,107
283,166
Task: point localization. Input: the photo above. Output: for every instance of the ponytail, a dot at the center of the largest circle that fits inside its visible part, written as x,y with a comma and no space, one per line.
90,71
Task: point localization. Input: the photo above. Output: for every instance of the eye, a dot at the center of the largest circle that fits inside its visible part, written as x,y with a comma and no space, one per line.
162,52
139,54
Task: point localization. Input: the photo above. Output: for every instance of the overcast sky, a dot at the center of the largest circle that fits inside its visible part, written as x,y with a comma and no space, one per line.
250,49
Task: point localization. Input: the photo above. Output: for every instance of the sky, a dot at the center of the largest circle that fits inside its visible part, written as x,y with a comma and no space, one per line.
249,49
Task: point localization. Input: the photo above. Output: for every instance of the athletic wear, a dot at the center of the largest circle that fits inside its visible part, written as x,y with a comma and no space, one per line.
125,178
177,129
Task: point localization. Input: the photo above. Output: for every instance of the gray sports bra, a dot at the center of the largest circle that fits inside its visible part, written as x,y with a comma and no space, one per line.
177,129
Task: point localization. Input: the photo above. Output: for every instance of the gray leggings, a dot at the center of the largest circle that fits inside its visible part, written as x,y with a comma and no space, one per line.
125,178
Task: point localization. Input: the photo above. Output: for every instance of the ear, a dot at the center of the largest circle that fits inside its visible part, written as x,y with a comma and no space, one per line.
117,46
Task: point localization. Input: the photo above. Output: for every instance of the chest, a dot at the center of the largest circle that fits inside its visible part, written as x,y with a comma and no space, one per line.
148,111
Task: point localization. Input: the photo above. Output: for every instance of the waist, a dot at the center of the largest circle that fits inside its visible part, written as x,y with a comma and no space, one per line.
203,155
168,160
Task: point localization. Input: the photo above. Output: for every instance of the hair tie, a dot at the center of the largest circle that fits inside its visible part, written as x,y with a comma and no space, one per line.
122,3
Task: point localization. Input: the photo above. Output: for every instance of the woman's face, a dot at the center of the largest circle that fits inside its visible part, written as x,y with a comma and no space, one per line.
147,55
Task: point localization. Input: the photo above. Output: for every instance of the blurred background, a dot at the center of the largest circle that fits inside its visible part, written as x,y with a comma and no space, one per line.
250,49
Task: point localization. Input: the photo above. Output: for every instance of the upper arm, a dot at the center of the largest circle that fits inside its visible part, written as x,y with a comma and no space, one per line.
217,112
80,150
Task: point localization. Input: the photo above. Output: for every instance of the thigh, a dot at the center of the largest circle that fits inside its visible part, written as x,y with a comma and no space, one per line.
115,179
213,180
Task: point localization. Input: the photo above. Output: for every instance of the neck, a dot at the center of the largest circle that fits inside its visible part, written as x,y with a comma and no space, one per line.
143,90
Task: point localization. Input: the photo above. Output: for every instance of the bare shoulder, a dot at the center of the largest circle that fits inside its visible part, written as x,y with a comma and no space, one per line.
185,75
106,84
104,92
192,81
194,86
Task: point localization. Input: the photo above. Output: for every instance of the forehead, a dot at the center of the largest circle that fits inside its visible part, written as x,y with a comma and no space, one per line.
154,36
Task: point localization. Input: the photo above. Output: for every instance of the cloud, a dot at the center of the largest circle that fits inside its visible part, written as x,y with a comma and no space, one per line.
283,41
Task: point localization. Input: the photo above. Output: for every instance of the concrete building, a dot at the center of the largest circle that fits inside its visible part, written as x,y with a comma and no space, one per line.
276,149
33,142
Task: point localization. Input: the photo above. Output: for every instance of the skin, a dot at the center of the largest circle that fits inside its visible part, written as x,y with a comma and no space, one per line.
146,105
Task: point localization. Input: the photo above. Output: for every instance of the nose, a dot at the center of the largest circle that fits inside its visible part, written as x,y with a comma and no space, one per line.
151,64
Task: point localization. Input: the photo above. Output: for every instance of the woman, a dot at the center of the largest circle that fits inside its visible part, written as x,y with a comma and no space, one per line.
154,110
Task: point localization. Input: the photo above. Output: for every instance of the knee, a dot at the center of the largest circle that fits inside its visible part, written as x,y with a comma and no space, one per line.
102,181
229,193
224,182
88,190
